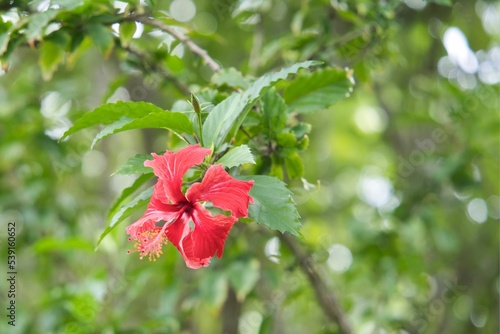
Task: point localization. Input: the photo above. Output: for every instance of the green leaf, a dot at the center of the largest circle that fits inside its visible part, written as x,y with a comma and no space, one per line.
318,90
37,22
220,120
102,38
237,156
135,165
294,165
226,115
127,192
112,112
4,35
127,31
273,114
274,206
243,277
173,121
230,77
52,53
126,210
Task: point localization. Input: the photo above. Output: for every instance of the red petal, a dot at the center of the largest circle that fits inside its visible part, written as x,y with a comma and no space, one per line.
198,246
157,211
171,167
223,191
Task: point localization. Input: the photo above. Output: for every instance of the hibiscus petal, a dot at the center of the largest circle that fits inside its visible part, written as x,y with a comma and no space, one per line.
156,211
198,246
171,167
223,191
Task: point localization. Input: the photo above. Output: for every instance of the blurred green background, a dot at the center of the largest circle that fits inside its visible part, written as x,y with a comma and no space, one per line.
402,219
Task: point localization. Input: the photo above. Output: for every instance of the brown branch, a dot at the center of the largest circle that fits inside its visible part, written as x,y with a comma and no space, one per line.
326,297
202,53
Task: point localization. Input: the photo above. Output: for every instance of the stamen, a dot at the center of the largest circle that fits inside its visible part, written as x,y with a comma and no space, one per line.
150,244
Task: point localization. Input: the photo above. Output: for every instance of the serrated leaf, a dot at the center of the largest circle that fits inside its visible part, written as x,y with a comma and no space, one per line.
318,90
237,156
273,204
102,38
243,277
126,210
127,192
37,22
112,112
273,114
127,31
135,165
230,77
226,115
173,121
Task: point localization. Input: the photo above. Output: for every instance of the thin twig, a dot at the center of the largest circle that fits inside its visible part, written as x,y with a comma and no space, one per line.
180,37
326,297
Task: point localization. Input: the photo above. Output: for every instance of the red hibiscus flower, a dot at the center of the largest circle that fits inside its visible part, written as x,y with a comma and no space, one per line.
183,219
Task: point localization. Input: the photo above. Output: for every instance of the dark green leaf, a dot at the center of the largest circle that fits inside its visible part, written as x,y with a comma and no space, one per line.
126,210
237,156
273,114
318,90
274,206
112,112
225,115
174,121
135,165
102,38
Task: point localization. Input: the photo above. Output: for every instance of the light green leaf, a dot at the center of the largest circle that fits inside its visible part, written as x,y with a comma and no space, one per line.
273,114
173,121
237,156
127,30
294,165
102,38
243,276
52,52
37,22
127,192
269,79
4,35
226,115
112,112
126,210
274,206
220,120
51,55
230,77
318,90
135,165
